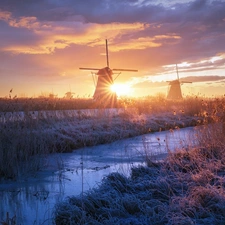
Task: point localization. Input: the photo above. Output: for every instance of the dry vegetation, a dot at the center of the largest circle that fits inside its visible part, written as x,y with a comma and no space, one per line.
37,104
187,188
24,142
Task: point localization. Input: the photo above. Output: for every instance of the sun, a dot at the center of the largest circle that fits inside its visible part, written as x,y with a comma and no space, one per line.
121,89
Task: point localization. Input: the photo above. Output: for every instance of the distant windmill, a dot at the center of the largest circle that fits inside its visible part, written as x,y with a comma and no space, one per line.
103,93
69,95
175,92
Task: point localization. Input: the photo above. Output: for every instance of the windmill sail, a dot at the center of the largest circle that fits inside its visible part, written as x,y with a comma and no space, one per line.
105,80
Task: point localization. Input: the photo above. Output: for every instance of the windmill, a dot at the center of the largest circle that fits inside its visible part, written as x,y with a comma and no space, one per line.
69,94
175,92
103,94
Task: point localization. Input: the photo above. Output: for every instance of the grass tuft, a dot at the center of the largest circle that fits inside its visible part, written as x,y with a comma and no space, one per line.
188,187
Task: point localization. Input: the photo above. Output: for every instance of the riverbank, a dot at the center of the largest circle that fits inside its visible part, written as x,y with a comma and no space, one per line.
188,187
24,144
34,197
23,141
33,128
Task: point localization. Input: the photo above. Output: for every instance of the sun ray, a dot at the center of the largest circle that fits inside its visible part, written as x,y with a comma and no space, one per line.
121,89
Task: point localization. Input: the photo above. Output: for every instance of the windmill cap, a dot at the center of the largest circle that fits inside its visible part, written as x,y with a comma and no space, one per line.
105,71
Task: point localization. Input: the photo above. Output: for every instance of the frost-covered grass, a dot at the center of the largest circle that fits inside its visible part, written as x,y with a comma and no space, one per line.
24,142
188,187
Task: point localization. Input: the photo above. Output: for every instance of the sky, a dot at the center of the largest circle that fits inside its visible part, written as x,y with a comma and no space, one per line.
45,42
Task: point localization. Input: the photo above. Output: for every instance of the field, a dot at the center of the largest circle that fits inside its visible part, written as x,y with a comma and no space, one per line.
31,128
188,186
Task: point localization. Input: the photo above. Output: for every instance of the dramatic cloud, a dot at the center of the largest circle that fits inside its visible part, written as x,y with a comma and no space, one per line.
204,79
51,39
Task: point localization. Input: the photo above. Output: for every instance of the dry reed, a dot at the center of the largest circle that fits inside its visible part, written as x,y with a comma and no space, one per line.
24,142
188,187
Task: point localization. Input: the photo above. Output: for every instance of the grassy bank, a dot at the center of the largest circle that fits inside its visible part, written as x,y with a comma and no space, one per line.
187,188
24,142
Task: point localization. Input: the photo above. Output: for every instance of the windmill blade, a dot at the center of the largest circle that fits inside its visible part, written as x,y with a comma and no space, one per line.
128,70
186,82
116,76
84,68
107,52
119,70
177,72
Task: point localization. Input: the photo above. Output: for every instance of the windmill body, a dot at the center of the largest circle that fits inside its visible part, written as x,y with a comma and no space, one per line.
103,93
174,90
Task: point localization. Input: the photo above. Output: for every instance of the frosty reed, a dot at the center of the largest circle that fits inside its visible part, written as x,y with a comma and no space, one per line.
23,143
187,187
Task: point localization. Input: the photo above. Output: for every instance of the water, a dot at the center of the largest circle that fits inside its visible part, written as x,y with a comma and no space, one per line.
32,199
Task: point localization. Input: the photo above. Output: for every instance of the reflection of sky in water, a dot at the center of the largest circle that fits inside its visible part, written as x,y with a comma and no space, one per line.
33,199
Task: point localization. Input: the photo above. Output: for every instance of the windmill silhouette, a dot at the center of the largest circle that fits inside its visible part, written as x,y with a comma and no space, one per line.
175,92
103,93
69,94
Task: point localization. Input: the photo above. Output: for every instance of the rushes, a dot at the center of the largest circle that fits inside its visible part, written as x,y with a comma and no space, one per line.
24,143
34,134
18,147
188,187
8,220
184,189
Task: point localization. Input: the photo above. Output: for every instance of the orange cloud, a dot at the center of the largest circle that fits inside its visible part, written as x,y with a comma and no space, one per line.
4,15
25,22
143,43
59,35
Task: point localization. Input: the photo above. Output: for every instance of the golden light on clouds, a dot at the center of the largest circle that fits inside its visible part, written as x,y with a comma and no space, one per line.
143,43
18,49
56,35
22,22
4,15
44,44
139,43
113,29
216,58
209,62
25,22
